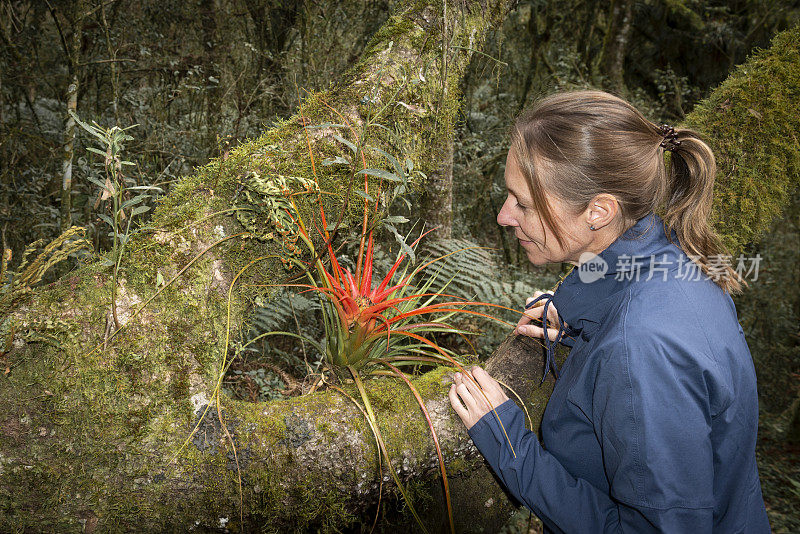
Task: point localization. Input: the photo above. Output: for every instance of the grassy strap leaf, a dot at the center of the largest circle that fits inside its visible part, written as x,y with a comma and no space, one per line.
396,164
146,188
364,195
139,210
96,181
340,224
337,160
97,132
107,219
132,201
324,125
404,247
350,144
97,151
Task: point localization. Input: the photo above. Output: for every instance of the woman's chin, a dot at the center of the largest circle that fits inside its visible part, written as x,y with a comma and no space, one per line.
535,257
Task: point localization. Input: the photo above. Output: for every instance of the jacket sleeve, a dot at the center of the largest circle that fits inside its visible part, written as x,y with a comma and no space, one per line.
534,477
653,425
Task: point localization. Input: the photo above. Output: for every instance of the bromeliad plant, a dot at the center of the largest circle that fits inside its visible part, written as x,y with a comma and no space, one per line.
366,322
376,328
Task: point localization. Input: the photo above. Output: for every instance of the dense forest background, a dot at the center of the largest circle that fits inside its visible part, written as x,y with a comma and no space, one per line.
193,79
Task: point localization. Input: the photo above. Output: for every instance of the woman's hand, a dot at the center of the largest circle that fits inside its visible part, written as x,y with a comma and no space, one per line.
468,401
526,329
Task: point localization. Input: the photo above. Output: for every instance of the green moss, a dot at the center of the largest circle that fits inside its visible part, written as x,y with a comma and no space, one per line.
746,121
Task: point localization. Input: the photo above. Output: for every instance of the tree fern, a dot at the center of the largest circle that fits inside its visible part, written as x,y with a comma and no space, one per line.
281,312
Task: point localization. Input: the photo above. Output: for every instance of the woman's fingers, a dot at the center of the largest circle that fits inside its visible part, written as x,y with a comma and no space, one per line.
527,328
466,395
490,386
468,417
484,379
459,408
532,330
532,313
478,394
474,394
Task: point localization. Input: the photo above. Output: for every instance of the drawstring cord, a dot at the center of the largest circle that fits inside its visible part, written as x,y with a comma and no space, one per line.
550,346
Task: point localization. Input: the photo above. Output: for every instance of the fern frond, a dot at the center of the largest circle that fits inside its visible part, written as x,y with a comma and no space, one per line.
33,268
475,274
279,312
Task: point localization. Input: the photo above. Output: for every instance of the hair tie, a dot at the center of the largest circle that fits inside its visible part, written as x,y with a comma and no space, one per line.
670,141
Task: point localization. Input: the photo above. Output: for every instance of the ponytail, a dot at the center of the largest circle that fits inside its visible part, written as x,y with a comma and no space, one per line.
689,192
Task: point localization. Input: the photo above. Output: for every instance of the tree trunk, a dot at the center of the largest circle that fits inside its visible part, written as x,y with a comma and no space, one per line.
437,203
612,56
97,427
437,206
74,58
539,25
585,41
213,100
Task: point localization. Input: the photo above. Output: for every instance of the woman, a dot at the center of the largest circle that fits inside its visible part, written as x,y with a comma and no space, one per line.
652,422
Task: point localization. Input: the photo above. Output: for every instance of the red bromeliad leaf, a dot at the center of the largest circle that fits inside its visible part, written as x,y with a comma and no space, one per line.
335,267
439,308
366,277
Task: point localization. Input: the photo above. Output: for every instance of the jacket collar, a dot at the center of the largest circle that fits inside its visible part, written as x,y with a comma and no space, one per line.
586,293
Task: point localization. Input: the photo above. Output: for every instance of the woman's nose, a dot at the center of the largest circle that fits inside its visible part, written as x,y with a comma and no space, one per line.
504,217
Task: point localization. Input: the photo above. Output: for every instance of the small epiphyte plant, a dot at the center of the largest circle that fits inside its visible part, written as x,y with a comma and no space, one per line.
117,187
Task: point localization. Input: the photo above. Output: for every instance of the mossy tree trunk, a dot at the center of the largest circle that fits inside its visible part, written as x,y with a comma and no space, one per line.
94,424
437,202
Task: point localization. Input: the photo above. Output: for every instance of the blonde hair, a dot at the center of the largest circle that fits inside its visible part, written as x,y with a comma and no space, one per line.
577,145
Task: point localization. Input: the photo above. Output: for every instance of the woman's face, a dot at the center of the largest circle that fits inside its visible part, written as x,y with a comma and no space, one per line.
538,241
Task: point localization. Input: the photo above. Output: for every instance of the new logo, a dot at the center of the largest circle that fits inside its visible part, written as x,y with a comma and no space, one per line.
591,267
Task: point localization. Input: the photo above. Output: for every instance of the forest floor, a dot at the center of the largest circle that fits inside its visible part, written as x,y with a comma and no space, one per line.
779,468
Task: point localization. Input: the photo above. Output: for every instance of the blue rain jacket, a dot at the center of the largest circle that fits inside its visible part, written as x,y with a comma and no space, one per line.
652,423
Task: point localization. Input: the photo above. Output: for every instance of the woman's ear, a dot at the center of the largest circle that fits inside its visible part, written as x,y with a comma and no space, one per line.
602,211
